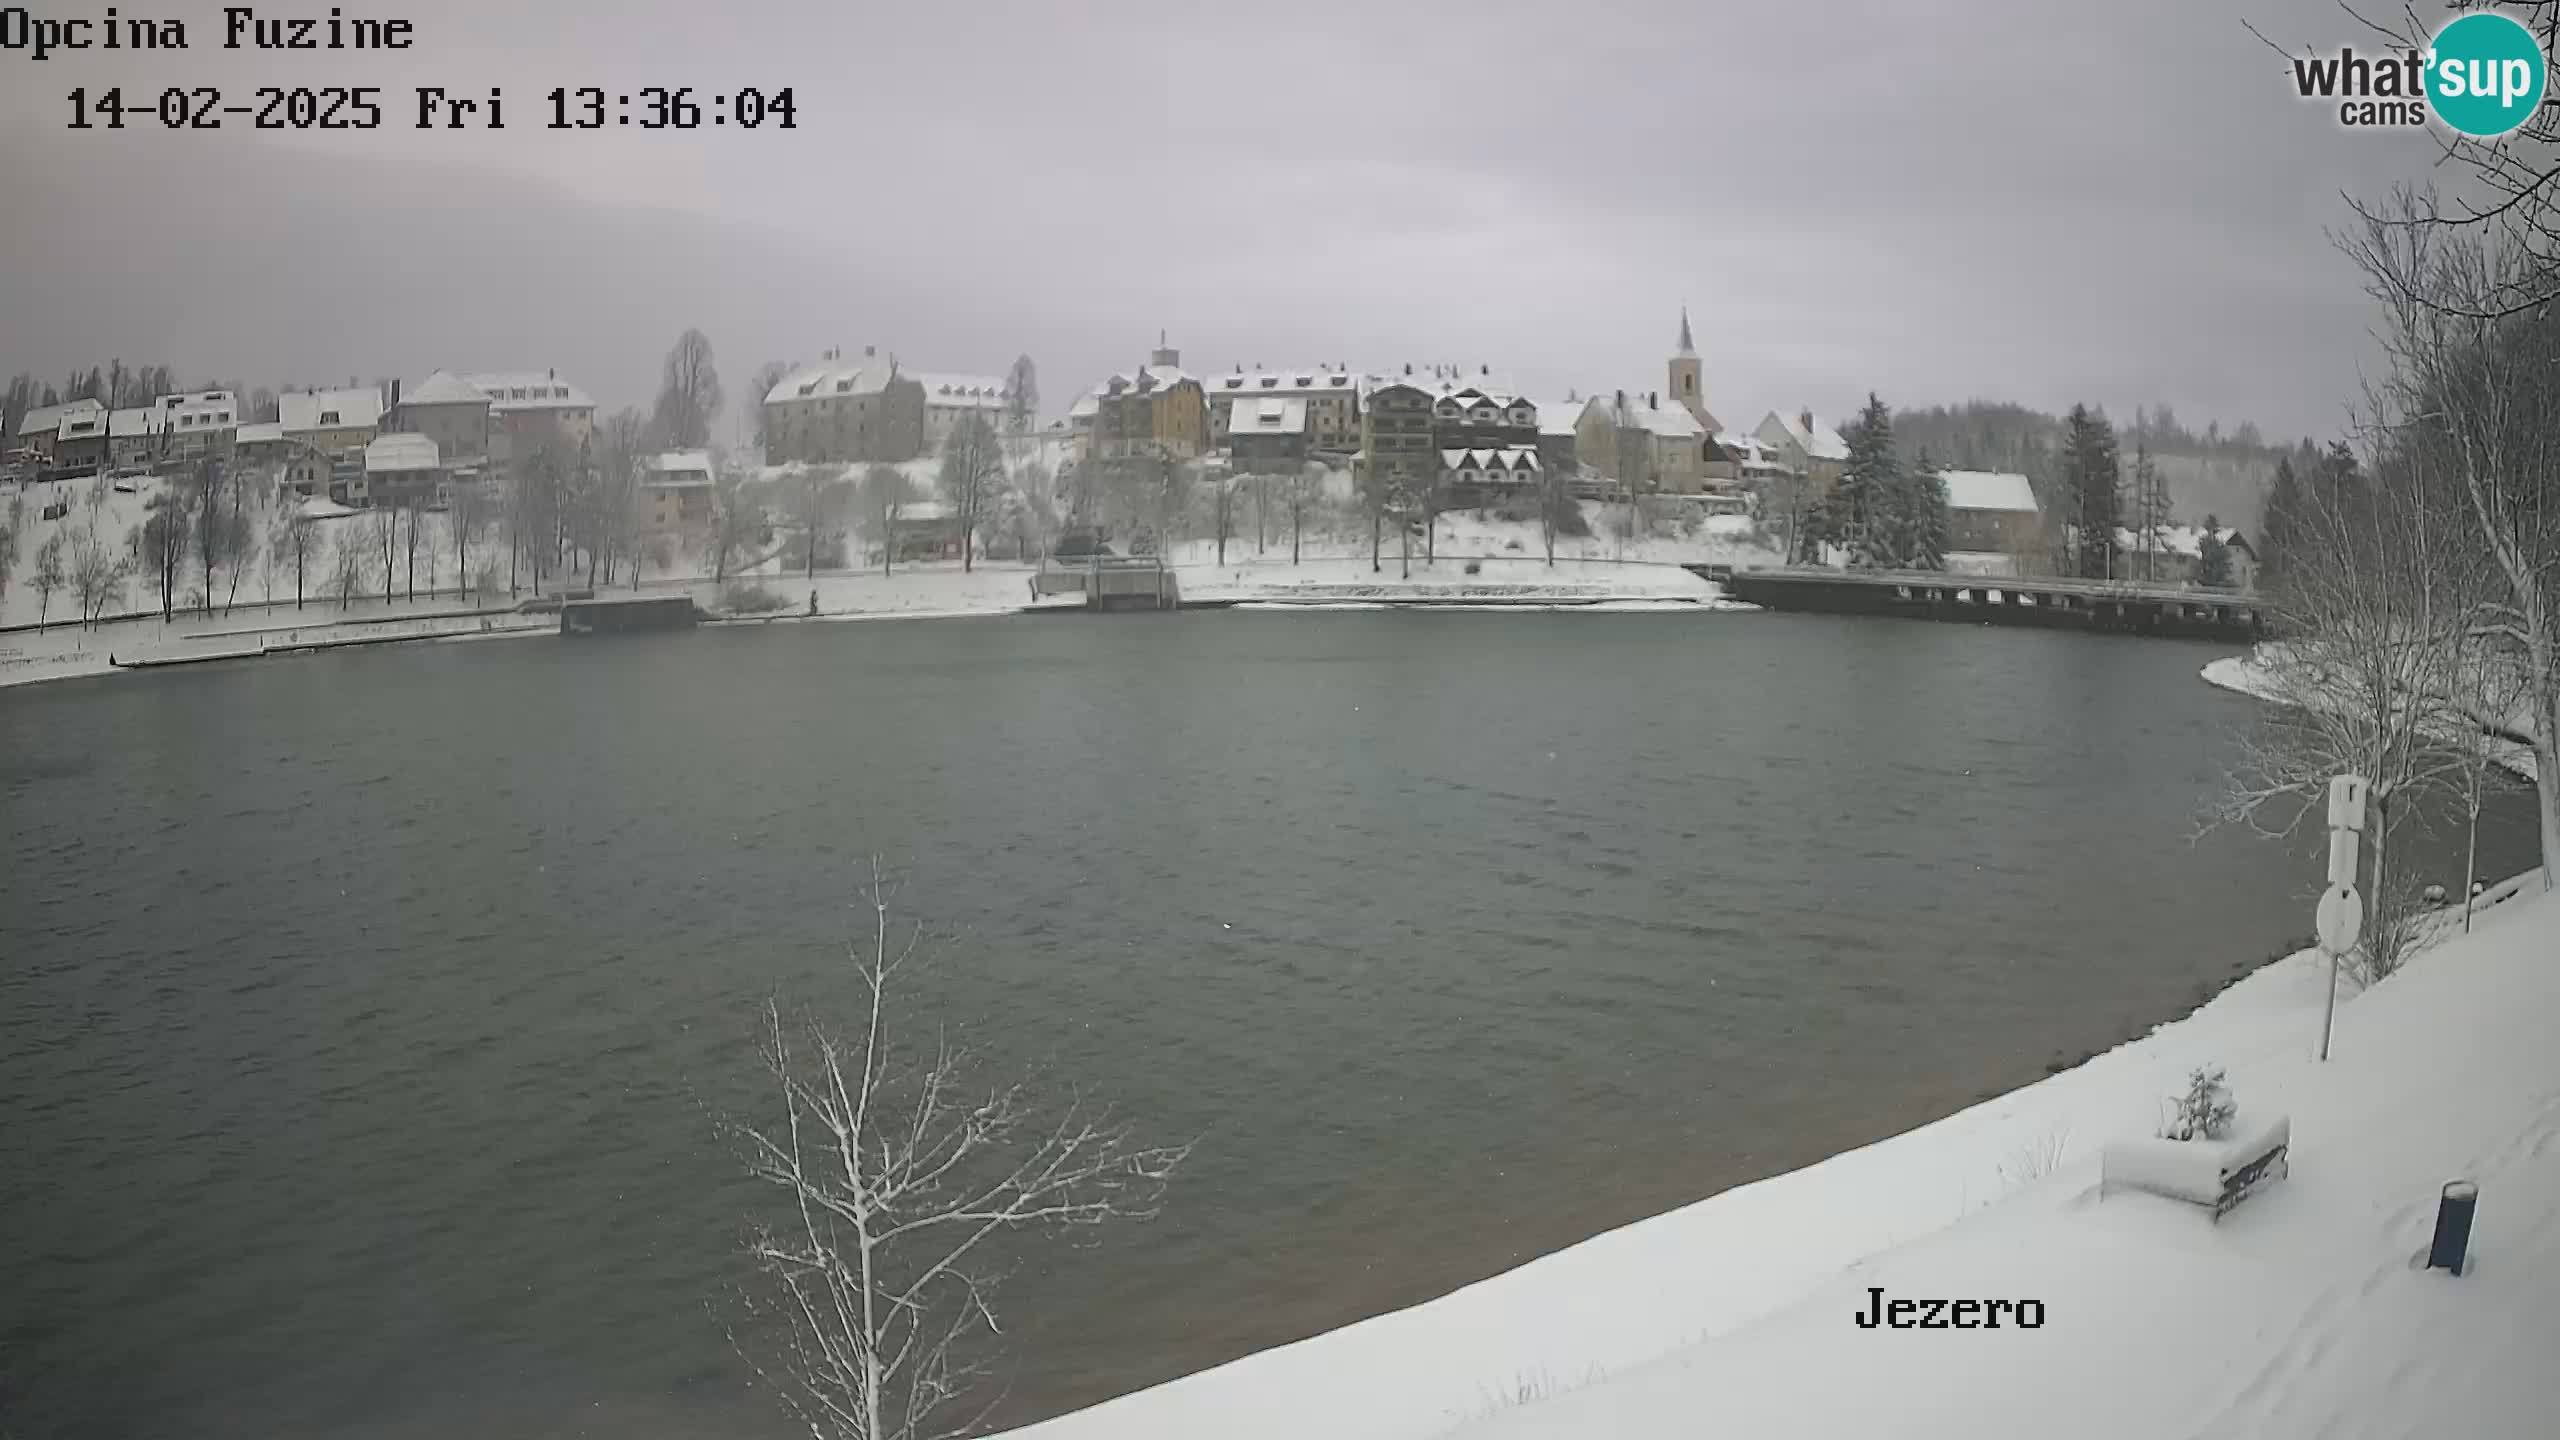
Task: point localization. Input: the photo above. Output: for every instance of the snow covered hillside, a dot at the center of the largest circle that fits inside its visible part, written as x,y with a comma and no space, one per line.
2300,1313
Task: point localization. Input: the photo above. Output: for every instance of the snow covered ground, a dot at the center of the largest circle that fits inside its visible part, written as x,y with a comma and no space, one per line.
2245,675
2298,1314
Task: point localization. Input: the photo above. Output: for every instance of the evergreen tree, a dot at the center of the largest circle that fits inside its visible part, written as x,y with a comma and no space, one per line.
1871,490
2281,521
2094,486
1931,525
2213,558
2150,510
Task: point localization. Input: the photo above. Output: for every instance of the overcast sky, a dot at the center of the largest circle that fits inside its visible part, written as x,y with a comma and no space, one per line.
2037,200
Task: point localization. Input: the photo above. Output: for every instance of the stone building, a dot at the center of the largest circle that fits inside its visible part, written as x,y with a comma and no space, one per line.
840,412
1330,396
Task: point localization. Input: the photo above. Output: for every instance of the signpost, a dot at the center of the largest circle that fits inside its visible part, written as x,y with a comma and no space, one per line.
2339,920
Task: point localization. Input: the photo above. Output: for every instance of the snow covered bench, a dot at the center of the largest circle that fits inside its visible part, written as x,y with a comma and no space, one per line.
2217,1174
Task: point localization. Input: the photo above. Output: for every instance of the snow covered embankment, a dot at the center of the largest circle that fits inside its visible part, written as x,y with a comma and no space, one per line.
2298,1314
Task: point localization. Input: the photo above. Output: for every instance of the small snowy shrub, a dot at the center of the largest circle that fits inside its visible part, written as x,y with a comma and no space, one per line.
2205,1111
752,600
2035,1159
1475,567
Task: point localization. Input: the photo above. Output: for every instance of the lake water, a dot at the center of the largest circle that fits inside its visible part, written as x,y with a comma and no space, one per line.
360,1013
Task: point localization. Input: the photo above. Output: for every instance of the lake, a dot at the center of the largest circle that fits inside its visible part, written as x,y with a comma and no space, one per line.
362,1015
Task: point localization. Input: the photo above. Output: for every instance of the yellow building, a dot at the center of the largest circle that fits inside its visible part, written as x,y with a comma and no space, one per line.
1156,409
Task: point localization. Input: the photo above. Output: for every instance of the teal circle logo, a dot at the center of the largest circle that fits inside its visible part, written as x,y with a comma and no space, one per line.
2485,74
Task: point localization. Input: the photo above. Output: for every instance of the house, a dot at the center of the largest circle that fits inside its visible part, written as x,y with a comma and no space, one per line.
1480,412
1266,434
1993,513
199,425
1645,444
949,399
1473,476
261,445
1155,409
399,469
80,437
529,413
1805,446
675,490
840,412
499,416
1330,398
1396,435
40,429
926,530
1559,433
330,421
2171,554
137,437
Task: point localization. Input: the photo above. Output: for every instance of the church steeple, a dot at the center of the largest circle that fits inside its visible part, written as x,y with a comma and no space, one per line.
1687,385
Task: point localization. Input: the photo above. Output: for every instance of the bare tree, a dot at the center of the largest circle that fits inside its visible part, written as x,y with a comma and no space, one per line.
97,573
1223,485
688,393
972,478
280,549
885,492
466,514
347,555
899,1175
817,506
2475,376
1304,486
48,575
382,523
1021,397
2367,679
768,375
737,519
161,545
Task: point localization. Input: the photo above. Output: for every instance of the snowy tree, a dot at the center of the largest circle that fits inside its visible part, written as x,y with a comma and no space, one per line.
2093,485
160,545
737,522
97,573
768,375
1930,525
971,479
347,554
1022,397
2205,1111
2278,522
885,492
899,1172
2151,510
688,393
1224,486
1866,503
48,576
817,497
2213,557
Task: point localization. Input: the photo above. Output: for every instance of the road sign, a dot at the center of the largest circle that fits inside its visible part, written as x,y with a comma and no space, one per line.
2339,921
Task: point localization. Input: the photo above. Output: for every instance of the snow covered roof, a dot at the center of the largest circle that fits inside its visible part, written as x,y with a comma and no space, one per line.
1269,415
264,432
868,375
47,419
1748,451
1504,457
136,422
982,392
82,424
676,469
444,388
1315,380
526,390
1821,442
395,453
321,507
1560,417
329,409
1085,406
2185,540
1989,490
1157,377
1649,414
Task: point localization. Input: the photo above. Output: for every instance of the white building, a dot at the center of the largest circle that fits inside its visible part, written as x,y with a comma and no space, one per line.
675,490
1330,399
399,470
1804,445
201,423
949,399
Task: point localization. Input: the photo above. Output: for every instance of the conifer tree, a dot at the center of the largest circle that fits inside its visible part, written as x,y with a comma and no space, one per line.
2091,479
1869,495
1931,525
2213,558
2280,522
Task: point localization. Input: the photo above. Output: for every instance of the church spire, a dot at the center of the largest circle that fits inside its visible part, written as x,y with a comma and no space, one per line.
1687,346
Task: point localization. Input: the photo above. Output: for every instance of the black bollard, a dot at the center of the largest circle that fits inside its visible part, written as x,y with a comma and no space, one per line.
2453,1226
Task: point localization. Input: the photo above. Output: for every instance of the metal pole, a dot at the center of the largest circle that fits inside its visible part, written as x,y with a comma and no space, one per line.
2329,1010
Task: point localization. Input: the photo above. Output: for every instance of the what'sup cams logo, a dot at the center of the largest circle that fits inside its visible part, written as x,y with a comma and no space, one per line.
2482,76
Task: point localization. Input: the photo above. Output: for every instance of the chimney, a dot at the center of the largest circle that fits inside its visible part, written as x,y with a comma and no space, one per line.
395,392
868,351
1484,370
1653,399
550,374
1807,418
1622,399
